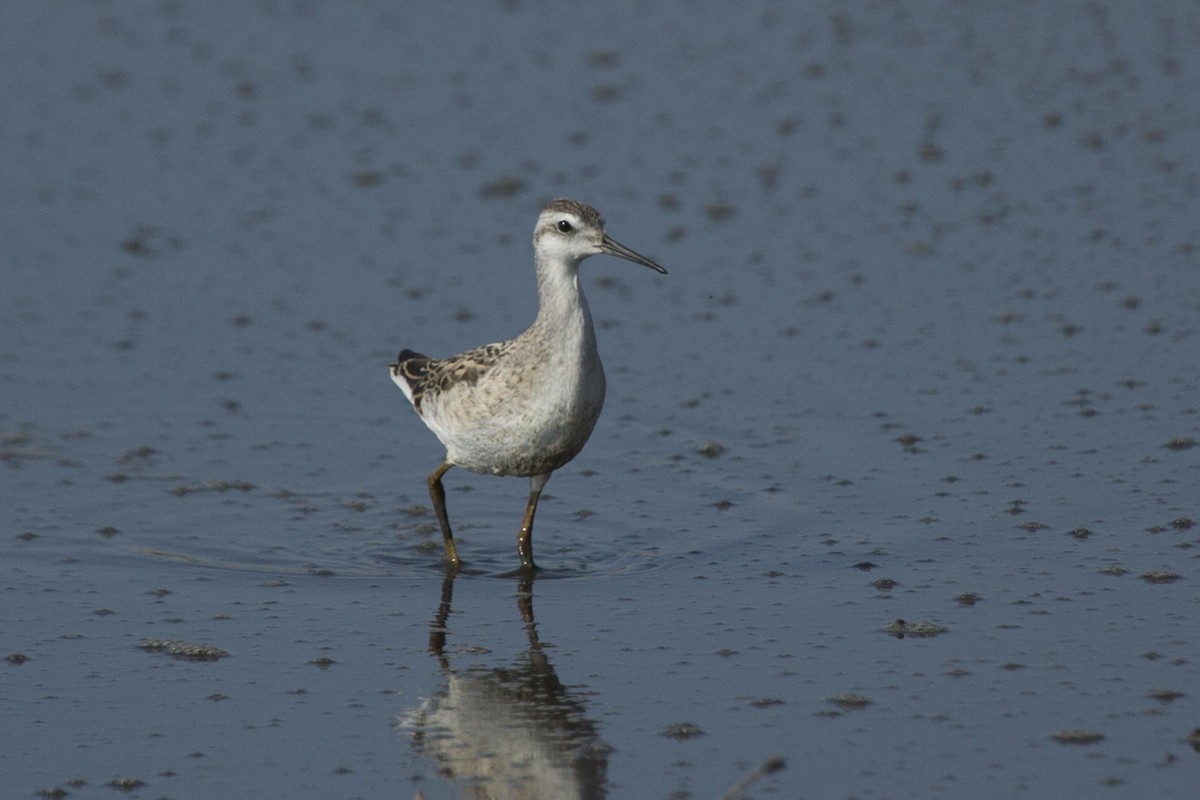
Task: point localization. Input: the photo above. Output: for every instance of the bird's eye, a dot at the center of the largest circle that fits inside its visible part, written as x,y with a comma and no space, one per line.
564,226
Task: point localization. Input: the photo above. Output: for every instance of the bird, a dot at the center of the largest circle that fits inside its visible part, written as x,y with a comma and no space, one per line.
526,406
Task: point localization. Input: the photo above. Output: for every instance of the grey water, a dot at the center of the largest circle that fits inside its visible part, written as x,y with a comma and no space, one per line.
927,352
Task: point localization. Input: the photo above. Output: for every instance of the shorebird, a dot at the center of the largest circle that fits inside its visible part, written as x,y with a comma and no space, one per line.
526,406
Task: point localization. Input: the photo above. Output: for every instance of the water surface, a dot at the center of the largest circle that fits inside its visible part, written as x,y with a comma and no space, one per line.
927,352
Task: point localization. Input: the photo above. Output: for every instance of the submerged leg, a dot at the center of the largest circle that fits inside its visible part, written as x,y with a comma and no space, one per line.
437,493
525,536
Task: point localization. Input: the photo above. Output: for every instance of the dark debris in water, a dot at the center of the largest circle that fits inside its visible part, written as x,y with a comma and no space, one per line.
1180,524
900,629
137,456
1160,576
681,731
190,651
850,702
502,186
126,784
719,211
1081,737
212,486
1016,507
1165,695
148,241
766,702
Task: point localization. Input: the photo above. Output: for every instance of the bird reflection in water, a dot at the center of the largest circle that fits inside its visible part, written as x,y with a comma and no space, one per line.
512,731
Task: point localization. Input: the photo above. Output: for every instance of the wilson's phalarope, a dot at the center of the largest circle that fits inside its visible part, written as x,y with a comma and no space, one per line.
526,406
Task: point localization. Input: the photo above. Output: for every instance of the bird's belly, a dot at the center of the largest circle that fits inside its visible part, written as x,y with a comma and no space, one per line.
516,433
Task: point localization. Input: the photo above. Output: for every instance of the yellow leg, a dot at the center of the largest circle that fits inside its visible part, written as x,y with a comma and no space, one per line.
437,493
525,535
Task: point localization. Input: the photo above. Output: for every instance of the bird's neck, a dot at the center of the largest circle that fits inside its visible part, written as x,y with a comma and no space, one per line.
561,304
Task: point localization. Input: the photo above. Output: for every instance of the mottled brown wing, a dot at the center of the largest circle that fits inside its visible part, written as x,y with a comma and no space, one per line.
425,375
414,368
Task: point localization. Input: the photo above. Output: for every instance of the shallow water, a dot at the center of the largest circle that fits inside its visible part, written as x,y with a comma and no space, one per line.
927,351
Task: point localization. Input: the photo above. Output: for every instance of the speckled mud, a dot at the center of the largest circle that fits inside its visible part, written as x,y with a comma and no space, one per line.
926,362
